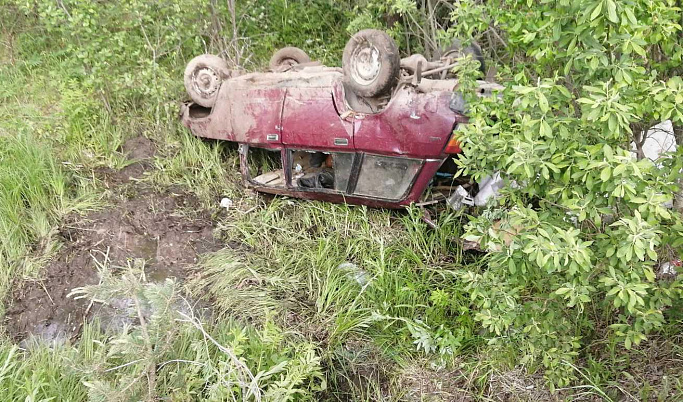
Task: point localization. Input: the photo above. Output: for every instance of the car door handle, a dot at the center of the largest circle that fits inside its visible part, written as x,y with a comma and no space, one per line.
341,141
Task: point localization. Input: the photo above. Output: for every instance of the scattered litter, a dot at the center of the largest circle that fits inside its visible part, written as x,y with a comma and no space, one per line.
354,272
226,203
427,218
658,140
459,199
668,269
298,168
489,187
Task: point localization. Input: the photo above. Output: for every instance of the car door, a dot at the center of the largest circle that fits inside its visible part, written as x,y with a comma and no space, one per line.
314,128
310,119
256,111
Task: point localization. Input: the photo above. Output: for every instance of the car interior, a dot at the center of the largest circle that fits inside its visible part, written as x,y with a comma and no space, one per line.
309,169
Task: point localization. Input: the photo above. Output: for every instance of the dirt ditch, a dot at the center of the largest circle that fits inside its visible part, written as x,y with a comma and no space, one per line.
167,230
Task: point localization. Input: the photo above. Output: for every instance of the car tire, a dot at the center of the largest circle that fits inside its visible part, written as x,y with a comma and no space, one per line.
371,63
203,78
455,49
288,56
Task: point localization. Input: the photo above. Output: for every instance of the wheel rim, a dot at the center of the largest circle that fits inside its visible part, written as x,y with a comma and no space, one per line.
205,81
289,62
454,54
365,63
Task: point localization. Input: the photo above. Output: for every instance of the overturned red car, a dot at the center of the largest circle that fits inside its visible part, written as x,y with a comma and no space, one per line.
375,132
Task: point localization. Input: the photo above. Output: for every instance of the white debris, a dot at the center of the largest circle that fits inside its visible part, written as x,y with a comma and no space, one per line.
459,199
489,187
226,203
659,139
354,272
668,269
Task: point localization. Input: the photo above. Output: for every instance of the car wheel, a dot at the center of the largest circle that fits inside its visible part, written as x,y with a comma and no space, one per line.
371,63
288,56
203,78
456,50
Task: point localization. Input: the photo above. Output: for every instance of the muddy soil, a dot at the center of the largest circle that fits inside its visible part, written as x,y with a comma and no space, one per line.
167,230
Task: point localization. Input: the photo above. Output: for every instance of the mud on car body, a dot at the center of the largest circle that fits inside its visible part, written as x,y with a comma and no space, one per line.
375,132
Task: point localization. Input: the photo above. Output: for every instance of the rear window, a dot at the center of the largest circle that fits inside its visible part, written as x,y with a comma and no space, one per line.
386,177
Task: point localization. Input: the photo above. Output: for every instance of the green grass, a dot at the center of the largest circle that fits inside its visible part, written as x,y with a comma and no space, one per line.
35,193
39,374
210,170
345,276
50,140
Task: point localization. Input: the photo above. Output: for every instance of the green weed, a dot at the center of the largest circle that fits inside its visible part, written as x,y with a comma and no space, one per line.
35,192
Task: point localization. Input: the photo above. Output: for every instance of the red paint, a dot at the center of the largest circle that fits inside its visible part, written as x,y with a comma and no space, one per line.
310,121
307,110
406,127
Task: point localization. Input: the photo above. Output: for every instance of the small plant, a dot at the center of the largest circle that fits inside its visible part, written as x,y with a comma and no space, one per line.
224,361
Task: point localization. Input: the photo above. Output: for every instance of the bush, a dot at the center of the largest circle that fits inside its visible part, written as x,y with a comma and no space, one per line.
576,244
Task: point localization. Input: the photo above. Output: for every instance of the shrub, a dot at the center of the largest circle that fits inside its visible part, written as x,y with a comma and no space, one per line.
576,244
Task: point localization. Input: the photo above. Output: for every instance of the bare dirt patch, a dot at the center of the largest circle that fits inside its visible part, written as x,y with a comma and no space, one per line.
167,230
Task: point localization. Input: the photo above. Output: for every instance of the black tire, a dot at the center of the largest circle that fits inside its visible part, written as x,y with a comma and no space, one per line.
288,56
474,50
203,78
371,63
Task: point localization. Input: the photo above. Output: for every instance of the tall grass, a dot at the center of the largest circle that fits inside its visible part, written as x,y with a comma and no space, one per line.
34,194
39,374
52,134
347,278
209,169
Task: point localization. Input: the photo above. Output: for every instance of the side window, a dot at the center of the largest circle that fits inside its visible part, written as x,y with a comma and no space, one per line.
321,170
343,162
265,167
386,177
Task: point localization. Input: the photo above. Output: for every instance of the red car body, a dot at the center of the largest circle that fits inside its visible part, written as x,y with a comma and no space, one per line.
382,159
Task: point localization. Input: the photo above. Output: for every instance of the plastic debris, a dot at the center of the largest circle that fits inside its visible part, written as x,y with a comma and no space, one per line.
459,199
354,272
489,187
659,139
226,203
668,269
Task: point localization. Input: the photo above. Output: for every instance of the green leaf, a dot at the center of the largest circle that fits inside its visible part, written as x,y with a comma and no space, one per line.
606,173
612,11
621,168
607,150
543,103
546,131
631,17
596,11
512,267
